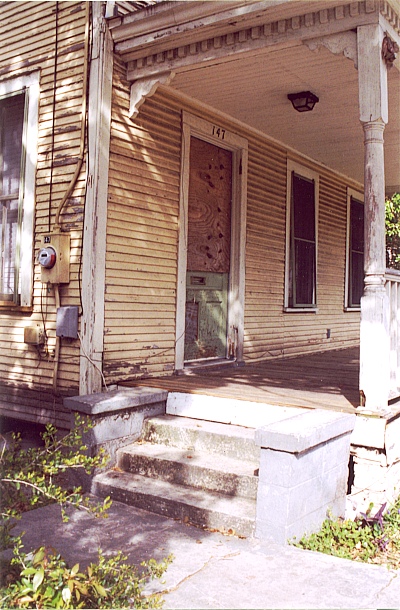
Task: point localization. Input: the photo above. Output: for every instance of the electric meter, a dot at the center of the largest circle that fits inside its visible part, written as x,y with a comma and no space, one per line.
54,257
47,257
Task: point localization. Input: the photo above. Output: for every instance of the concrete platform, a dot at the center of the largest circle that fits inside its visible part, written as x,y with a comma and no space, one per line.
215,571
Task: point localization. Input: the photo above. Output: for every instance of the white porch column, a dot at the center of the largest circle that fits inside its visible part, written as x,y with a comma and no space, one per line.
374,330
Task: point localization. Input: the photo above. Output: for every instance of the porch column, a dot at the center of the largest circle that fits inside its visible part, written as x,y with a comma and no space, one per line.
94,231
374,329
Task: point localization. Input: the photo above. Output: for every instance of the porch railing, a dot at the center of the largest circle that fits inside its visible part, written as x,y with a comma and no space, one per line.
392,284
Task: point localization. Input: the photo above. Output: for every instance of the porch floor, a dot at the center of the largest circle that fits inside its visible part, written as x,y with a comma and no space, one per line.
325,380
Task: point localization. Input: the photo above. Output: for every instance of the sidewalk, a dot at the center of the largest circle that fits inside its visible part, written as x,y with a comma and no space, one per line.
215,571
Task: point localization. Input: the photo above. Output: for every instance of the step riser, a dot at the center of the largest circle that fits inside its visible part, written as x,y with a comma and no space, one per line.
200,440
189,475
176,509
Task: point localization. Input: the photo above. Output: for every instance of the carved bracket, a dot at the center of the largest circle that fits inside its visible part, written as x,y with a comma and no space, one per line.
146,87
389,50
344,43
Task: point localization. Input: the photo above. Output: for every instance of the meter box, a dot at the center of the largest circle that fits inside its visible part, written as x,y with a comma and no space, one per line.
34,335
54,255
67,322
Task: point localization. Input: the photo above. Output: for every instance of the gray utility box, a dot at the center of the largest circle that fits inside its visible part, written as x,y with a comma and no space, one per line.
67,322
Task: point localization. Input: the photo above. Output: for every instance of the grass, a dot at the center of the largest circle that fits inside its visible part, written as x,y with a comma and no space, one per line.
373,537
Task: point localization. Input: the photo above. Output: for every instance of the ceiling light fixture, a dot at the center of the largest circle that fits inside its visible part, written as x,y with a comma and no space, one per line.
303,101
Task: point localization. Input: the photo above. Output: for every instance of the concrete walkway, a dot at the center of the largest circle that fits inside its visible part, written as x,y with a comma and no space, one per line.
215,571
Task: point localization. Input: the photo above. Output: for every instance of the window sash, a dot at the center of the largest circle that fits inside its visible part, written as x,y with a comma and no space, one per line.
303,251
13,120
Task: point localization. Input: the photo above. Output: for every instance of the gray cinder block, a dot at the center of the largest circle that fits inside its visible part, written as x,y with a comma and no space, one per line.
303,473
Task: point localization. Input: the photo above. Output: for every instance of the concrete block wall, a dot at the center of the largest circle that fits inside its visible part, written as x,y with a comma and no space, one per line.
117,416
303,473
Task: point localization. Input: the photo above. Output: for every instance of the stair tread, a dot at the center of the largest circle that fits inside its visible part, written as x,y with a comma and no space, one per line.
228,430
205,436
235,506
192,458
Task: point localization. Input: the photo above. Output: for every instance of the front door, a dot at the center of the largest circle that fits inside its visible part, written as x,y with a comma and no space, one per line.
208,251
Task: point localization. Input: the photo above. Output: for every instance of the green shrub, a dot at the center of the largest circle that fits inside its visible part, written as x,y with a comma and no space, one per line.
392,209
37,476
369,538
46,581
42,579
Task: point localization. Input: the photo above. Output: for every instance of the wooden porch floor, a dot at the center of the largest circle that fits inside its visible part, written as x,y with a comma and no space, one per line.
327,380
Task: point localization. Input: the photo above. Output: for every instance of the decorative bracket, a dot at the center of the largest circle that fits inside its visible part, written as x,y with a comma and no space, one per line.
146,87
344,43
389,50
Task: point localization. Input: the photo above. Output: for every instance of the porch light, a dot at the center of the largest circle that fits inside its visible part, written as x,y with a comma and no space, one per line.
303,101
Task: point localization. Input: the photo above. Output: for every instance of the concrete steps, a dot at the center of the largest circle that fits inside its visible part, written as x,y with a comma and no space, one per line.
200,472
200,435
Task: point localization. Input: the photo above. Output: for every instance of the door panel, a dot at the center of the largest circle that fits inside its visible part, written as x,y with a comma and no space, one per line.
208,250
206,315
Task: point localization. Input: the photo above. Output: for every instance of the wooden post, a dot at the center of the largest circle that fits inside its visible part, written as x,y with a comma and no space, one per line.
94,231
374,329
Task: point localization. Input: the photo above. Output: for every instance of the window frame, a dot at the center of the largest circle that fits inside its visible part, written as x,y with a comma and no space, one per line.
357,196
310,175
29,85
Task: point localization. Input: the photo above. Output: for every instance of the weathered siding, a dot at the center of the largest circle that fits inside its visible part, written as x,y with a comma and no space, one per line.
28,41
142,235
143,222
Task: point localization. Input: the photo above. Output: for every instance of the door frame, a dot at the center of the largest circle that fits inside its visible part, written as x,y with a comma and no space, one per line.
223,138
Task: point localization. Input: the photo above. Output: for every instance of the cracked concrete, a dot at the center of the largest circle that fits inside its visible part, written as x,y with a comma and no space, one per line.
215,571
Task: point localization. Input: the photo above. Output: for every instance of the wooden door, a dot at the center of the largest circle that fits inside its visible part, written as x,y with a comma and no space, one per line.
208,251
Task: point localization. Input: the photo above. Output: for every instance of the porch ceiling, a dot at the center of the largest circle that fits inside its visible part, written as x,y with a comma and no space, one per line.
254,89
252,85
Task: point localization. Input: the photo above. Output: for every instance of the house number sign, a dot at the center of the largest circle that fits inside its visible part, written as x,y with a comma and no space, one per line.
218,132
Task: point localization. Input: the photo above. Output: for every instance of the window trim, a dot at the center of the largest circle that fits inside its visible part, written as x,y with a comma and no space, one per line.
30,85
358,196
308,174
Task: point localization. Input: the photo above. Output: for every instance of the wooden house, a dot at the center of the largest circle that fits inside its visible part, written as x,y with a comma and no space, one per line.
165,205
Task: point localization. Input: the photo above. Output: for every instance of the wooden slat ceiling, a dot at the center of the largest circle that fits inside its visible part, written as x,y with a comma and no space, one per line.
254,89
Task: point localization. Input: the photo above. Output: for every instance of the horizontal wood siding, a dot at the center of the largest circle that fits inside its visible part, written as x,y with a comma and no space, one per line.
142,236
269,330
28,42
142,244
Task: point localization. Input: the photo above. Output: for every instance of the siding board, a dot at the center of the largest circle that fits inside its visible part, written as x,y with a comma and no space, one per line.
26,387
143,282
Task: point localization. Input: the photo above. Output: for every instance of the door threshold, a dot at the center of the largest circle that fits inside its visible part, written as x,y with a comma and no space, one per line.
195,365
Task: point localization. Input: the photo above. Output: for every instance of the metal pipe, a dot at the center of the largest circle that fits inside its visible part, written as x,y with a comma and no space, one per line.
72,184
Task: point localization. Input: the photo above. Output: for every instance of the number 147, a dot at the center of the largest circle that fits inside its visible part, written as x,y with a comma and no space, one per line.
218,132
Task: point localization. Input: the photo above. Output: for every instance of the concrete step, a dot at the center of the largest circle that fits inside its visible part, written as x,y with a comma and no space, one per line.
197,469
202,508
204,436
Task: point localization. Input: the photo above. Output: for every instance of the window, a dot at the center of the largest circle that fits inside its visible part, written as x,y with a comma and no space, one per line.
355,251
301,263
18,135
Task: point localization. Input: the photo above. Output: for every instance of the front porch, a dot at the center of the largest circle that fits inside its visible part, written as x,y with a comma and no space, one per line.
298,412
325,380
265,392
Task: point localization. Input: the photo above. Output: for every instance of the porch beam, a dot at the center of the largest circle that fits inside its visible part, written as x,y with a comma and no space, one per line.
374,328
170,54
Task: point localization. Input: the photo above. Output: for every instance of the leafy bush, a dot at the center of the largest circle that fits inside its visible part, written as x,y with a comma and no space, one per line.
37,476
369,538
42,579
392,208
46,581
